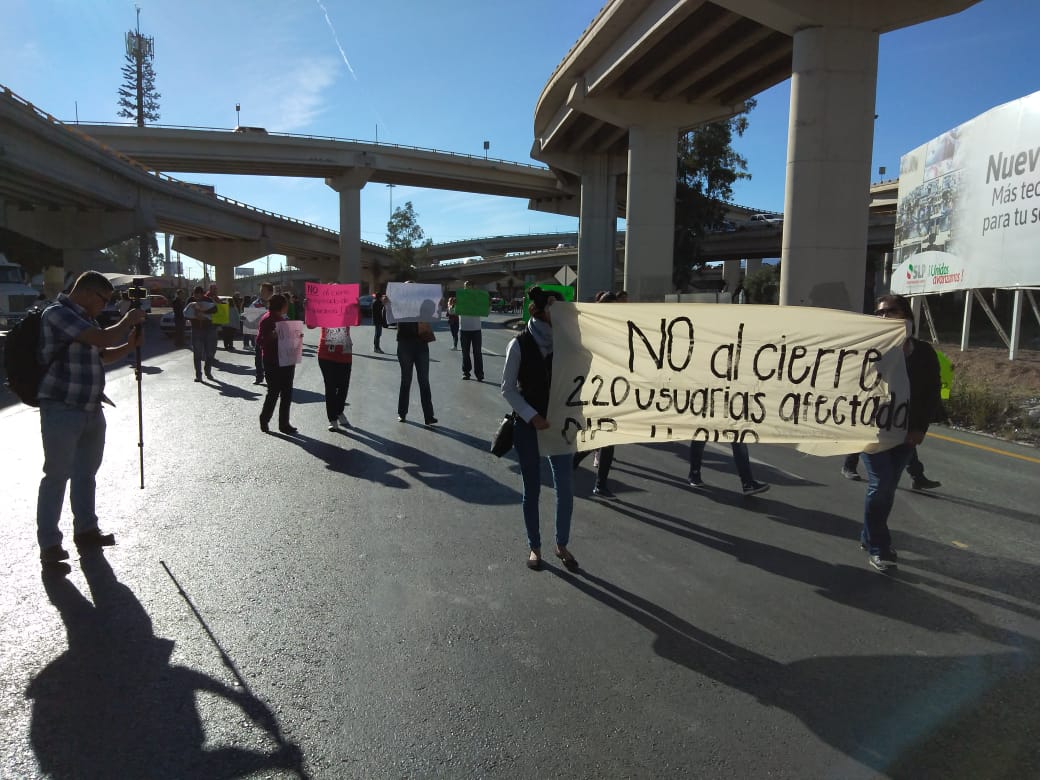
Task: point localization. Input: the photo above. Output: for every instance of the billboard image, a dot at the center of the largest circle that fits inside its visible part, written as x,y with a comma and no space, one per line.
969,205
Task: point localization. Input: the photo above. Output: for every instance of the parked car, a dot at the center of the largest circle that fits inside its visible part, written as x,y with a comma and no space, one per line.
158,301
765,221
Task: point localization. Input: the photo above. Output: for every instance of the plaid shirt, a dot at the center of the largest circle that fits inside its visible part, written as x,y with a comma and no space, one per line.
75,374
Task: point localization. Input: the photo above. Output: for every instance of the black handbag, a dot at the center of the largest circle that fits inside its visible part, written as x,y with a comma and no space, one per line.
502,442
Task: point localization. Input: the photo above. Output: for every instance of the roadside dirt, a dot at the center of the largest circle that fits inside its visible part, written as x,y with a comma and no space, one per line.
1017,381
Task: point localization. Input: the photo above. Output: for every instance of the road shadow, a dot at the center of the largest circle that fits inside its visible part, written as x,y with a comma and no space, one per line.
351,462
462,482
114,706
898,715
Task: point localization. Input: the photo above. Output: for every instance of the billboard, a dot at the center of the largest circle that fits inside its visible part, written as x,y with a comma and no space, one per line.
969,205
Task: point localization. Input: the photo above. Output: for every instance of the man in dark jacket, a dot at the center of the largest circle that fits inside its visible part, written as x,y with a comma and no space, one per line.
884,468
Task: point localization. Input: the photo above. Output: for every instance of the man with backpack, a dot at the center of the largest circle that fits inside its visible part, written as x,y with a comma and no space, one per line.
73,349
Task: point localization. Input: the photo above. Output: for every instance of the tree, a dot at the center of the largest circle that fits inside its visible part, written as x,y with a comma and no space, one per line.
406,241
139,100
763,285
126,255
708,166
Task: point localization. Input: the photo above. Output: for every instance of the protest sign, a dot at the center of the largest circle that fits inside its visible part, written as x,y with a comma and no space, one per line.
830,381
332,305
472,303
251,319
412,302
566,290
221,316
290,342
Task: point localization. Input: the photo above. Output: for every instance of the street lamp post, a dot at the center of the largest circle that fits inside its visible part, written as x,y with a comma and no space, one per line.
391,188
487,145
238,115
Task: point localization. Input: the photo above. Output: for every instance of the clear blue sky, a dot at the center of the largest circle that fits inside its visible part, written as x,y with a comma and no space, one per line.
449,75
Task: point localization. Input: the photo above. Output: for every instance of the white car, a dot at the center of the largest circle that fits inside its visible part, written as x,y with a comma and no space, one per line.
765,221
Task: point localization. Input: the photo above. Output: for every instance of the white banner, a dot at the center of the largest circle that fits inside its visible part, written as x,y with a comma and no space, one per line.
969,205
409,302
290,342
251,318
830,381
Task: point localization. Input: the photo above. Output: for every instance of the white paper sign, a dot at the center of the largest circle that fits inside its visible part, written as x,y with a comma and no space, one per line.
290,342
251,319
413,302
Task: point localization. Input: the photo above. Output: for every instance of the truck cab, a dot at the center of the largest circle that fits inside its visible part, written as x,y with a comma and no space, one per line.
16,297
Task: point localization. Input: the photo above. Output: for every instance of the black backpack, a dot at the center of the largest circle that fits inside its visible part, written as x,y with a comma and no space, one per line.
22,357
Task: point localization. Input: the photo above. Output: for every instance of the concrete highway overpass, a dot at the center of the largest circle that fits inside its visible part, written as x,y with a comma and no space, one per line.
609,117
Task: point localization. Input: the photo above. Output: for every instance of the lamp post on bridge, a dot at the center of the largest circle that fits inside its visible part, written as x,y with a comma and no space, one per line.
238,115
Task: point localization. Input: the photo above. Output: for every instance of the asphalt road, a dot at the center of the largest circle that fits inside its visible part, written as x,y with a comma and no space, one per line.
356,605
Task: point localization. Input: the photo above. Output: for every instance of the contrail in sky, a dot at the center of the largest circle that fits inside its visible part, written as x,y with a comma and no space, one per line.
335,37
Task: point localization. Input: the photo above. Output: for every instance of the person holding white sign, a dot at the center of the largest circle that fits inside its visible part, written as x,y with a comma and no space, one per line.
884,468
526,378
279,378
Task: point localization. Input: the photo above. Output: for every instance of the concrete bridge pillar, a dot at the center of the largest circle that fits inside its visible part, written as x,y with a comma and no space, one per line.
597,227
751,265
831,132
349,185
650,219
731,276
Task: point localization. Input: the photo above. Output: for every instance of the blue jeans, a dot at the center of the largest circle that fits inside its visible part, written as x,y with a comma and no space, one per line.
73,445
883,472
471,342
741,460
525,439
200,350
414,353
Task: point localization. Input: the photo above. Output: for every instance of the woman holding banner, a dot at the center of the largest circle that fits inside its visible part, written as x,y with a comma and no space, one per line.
279,378
526,378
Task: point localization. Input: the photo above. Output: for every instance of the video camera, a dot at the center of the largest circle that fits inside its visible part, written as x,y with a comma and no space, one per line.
137,293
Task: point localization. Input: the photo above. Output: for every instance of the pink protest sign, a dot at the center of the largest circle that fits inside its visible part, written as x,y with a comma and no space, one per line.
332,305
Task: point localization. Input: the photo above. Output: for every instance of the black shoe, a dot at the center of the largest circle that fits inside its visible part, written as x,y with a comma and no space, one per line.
480,379
431,421
198,377
94,538
264,427
696,482
923,483
850,474
53,554
569,561
465,376
603,492
286,429
753,488
401,418
209,376
258,381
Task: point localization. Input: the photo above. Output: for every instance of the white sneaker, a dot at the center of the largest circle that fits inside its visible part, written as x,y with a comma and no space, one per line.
333,426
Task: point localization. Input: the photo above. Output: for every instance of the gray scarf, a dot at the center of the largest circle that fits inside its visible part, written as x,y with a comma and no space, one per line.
542,334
